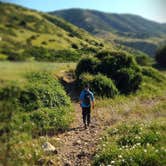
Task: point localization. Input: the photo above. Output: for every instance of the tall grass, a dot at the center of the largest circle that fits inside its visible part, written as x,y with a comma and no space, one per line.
16,70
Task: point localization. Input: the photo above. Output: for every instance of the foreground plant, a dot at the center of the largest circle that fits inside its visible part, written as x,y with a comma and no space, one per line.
135,144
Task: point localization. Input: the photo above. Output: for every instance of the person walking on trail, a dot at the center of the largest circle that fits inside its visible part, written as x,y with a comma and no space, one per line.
86,102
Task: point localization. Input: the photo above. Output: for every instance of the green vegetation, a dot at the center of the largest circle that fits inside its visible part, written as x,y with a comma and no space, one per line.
44,54
161,56
133,144
139,136
101,85
144,60
118,66
28,35
17,70
123,24
121,29
87,64
34,105
38,107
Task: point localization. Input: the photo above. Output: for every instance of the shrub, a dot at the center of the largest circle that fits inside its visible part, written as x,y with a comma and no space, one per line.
44,54
127,80
113,61
47,120
41,91
15,56
118,66
88,64
74,45
161,56
100,85
3,57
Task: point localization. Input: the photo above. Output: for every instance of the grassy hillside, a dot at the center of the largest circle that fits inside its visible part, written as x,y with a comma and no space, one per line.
123,24
139,110
23,31
125,29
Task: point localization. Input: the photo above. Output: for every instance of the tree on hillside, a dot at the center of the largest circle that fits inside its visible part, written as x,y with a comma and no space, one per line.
161,56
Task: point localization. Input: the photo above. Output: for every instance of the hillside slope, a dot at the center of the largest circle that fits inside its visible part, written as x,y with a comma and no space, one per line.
126,29
23,30
123,24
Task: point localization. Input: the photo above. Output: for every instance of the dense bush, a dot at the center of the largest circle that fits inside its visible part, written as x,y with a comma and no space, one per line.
134,144
99,84
161,56
15,56
48,120
127,80
113,61
118,66
88,64
41,92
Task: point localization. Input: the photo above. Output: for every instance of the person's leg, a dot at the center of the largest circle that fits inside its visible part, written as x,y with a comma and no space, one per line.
84,116
88,116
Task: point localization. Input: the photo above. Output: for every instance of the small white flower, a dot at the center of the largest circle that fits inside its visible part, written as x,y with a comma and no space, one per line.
112,162
145,150
120,156
148,144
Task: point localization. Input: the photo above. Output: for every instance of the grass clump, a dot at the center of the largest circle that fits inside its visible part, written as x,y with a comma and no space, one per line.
133,144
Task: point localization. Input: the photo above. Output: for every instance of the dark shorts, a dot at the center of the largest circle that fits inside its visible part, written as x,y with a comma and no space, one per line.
86,115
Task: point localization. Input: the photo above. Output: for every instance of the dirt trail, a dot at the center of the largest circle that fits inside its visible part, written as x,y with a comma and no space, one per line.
77,146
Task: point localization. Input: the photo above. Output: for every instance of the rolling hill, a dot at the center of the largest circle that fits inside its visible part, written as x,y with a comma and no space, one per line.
31,34
126,29
122,24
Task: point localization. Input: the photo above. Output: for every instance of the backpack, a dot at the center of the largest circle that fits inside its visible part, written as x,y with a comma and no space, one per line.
87,98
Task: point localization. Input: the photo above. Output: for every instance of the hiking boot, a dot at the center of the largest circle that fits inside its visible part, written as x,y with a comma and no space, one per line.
85,126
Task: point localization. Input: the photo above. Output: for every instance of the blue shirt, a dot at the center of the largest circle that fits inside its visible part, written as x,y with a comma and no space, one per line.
82,97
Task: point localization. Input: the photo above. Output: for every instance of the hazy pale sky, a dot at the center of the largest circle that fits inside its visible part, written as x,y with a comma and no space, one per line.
151,9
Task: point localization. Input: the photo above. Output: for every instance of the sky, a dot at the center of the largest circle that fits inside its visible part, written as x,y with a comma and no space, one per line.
150,9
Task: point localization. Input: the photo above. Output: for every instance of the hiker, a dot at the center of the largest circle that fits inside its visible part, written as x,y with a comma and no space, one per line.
86,101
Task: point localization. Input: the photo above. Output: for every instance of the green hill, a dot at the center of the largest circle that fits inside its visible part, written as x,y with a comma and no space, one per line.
126,29
26,33
122,24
